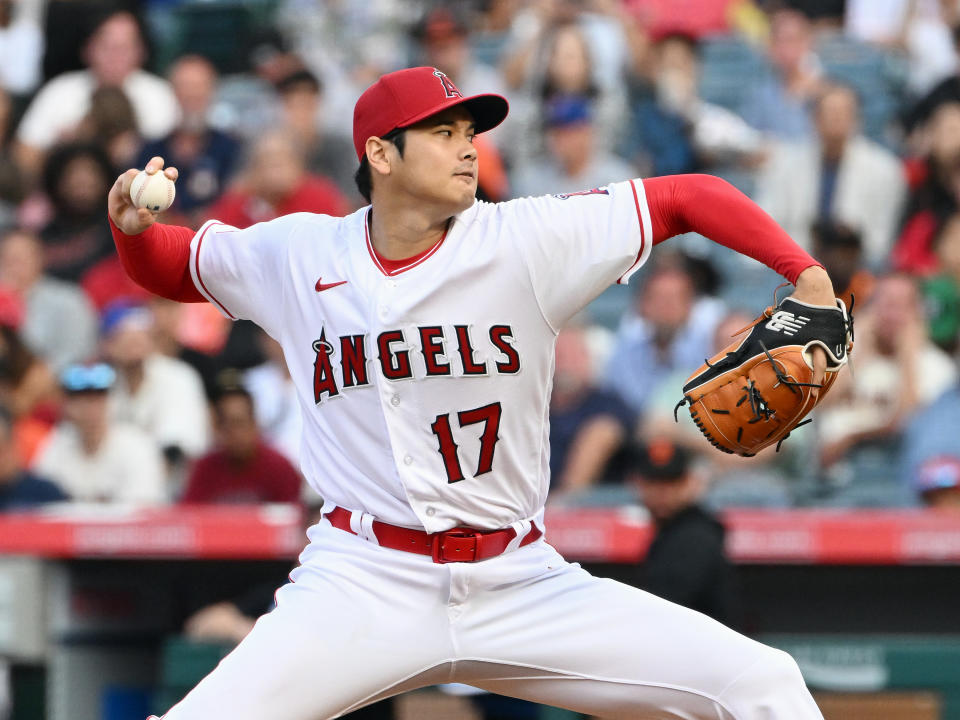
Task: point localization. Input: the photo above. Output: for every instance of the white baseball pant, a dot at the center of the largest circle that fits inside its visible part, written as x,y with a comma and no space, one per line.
360,623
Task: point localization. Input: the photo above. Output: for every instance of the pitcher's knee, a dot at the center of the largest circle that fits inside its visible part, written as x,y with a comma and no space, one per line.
771,689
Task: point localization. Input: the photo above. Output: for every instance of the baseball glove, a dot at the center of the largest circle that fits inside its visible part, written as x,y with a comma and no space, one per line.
756,390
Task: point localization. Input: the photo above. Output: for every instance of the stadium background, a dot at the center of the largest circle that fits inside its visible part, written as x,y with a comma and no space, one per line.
842,119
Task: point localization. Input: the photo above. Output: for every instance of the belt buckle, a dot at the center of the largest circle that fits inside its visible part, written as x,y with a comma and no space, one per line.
464,551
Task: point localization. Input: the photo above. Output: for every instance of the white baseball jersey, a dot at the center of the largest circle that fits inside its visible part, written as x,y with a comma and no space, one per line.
425,390
425,393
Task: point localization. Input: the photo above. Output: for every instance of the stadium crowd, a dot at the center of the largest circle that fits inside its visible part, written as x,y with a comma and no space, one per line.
841,118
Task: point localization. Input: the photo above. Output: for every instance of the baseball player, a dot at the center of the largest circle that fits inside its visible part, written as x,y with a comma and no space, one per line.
419,332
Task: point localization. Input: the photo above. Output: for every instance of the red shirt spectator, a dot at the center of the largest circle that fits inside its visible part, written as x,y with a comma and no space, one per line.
242,208
242,469
275,182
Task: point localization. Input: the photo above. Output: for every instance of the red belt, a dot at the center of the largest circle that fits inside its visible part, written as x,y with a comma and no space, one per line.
456,545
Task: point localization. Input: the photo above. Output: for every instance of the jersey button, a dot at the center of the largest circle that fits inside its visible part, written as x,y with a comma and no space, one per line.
395,400
408,460
431,511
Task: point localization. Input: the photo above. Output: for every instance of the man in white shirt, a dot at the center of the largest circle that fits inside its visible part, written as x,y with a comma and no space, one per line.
161,395
94,459
114,55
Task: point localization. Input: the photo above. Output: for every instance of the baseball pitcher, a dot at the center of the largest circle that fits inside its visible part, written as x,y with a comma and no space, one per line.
420,334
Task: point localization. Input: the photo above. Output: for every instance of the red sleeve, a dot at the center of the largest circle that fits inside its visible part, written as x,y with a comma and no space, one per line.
158,259
714,208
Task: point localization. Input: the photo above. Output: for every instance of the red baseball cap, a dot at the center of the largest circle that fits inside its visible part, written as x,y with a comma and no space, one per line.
405,97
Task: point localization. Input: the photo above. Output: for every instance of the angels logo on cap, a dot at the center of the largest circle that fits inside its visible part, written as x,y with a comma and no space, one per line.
405,97
448,87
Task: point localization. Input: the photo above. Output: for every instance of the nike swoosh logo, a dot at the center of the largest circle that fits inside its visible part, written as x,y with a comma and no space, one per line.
320,287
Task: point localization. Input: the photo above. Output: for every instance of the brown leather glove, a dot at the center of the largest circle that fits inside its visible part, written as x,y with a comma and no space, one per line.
756,390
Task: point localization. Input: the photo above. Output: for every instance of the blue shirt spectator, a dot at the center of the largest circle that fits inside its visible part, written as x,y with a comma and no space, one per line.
781,104
565,424
672,332
205,156
932,432
588,425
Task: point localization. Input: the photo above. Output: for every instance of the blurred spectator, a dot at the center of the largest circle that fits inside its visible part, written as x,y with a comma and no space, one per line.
444,38
898,371
676,131
348,45
838,175
21,48
601,29
942,291
275,182
96,459
107,283
931,448
275,400
588,424
20,489
205,157
76,179
671,332
330,155
780,104
659,419
111,124
574,162
242,468
160,395
559,61
26,384
920,27
938,482
840,249
694,18
945,91
929,38
934,193
686,562
12,189
59,323
877,21
730,480
171,329
114,54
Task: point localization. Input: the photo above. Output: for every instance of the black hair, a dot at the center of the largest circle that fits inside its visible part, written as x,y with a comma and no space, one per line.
363,177
62,155
547,88
228,384
298,79
100,17
16,359
829,233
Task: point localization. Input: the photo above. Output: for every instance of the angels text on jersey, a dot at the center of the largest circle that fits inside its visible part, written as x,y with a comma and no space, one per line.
419,351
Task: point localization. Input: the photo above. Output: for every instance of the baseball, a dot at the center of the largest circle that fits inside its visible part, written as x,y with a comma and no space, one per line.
153,192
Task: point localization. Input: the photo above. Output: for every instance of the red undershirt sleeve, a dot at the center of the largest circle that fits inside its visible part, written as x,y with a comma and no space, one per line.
714,208
158,259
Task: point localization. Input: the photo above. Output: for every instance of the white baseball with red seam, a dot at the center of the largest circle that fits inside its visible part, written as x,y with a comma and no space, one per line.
154,192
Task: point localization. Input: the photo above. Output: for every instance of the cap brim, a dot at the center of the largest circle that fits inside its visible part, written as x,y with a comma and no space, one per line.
488,111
